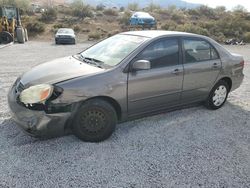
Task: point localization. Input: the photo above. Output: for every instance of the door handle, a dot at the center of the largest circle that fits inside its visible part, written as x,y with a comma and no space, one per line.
215,66
176,71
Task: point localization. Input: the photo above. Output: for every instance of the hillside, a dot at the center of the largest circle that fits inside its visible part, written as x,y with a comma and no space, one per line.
94,23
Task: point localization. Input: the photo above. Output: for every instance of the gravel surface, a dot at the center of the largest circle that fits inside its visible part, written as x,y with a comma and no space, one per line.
192,147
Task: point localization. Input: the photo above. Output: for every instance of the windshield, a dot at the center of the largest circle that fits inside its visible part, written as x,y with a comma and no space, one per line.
9,12
65,31
114,49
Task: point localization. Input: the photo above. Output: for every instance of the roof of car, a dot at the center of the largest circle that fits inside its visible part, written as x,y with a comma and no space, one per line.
157,33
142,13
66,29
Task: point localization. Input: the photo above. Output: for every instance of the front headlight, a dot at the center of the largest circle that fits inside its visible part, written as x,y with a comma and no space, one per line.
36,94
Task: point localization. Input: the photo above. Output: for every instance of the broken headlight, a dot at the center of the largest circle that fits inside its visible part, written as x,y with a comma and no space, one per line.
36,94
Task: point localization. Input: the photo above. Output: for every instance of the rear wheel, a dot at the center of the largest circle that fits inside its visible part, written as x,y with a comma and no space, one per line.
218,95
95,121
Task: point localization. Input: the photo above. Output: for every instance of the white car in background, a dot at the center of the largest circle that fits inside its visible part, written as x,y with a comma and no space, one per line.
65,36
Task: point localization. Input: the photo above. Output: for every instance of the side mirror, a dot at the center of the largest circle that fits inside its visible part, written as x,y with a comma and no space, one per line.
141,65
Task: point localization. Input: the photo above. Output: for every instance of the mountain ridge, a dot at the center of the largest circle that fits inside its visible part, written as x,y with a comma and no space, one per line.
143,3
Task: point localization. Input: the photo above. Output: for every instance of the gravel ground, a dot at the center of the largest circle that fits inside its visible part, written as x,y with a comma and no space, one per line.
192,147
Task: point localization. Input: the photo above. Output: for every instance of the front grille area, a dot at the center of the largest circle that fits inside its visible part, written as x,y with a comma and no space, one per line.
64,36
147,20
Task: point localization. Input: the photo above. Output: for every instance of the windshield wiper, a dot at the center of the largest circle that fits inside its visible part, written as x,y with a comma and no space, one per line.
92,61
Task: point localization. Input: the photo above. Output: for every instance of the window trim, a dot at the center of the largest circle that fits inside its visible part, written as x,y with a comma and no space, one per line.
179,42
197,39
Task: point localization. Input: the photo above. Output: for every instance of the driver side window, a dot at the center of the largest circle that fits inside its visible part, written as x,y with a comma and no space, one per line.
162,53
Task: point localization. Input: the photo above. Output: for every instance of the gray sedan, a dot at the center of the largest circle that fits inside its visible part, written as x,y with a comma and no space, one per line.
126,76
65,36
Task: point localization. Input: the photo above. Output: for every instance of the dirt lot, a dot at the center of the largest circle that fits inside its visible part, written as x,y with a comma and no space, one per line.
187,148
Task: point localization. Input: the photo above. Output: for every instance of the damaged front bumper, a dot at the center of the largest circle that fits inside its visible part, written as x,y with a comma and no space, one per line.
37,123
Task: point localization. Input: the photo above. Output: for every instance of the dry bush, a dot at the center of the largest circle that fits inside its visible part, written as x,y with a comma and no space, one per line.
36,27
94,36
247,37
49,15
110,12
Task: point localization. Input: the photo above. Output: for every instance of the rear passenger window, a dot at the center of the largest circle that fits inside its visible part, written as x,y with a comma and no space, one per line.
162,53
198,50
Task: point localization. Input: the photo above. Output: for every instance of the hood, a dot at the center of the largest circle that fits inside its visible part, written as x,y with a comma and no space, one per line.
58,70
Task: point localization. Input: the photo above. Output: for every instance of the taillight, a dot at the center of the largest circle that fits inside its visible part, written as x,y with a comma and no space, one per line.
242,63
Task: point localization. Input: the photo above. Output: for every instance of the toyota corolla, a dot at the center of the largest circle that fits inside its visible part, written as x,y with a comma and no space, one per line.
126,76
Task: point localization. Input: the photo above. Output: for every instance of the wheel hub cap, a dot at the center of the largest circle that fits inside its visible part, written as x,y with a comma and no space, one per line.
220,95
93,121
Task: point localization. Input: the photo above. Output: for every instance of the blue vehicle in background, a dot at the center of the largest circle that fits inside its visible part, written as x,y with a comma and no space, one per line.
142,19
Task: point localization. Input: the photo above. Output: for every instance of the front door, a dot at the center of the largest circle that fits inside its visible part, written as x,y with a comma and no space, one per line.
160,86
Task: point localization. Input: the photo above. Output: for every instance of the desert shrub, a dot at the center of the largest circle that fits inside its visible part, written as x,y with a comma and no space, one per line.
124,19
110,12
57,26
100,14
247,37
94,36
101,30
207,11
219,37
178,16
133,6
113,33
81,10
190,28
36,27
100,7
171,9
170,26
162,11
239,9
122,9
65,10
152,7
49,15
77,28
85,30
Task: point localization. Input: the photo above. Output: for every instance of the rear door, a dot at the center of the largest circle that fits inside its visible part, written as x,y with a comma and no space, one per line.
202,66
160,86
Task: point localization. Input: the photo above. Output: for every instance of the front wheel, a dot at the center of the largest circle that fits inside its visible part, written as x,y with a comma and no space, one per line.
95,121
218,95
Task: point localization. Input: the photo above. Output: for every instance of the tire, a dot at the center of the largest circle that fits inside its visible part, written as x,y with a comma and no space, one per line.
26,35
221,90
6,37
95,111
20,34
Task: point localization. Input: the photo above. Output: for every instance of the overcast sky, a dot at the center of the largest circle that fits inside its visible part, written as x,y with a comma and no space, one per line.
227,3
